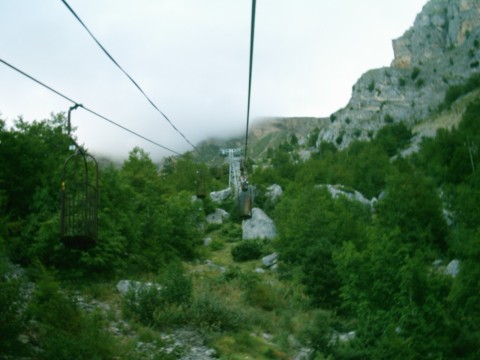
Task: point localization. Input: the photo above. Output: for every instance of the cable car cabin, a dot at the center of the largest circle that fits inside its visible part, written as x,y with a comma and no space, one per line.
245,200
79,213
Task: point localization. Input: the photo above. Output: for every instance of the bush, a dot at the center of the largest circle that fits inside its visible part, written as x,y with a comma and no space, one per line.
177,286
318,332
10,322
140,303
149,303
415,73
232,232
393,137
456,91
210,313
260,294
247,250
63,330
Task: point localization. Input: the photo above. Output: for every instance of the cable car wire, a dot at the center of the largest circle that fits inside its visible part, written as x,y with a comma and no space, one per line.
252,36
86,108
126,74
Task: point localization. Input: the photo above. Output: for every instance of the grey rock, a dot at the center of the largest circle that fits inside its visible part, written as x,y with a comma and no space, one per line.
219,196
453,268
274,192
345,337
303,354
305,154
217,217
428,58
259,226
270,260
207,241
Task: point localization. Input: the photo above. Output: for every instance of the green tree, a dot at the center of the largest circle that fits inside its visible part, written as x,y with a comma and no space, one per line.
311,226
393,138
412,205
400,305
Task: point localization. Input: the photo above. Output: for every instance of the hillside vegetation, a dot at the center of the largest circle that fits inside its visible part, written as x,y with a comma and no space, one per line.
354,280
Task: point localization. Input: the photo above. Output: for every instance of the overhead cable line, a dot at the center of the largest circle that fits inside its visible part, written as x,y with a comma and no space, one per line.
87,109
126,74
252,36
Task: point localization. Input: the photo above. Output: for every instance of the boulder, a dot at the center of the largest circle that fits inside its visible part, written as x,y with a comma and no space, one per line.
453,268
270,260
219,196
217,217
259,226
274,192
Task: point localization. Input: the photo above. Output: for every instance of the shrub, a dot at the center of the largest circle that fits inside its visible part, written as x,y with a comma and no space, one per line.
371,85
210,313
415,73
339,139
217,244
393,137
313,136
140,303
388,119
63,330
177,286
318,332
260,294
10,322
456,91
247,250
419,83
149,303
232,231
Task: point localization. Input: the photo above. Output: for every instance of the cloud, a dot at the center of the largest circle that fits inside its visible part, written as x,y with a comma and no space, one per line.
191,58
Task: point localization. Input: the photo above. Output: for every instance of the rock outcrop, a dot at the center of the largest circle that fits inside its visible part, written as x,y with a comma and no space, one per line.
441,49
219,196
259,226
217,217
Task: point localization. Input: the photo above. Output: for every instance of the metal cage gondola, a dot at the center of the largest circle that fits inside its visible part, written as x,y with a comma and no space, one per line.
79,224
79,208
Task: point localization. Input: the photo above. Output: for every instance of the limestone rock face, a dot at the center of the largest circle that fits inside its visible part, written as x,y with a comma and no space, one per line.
259,226
441,49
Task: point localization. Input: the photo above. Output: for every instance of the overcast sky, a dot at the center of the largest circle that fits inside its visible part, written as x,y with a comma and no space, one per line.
191,58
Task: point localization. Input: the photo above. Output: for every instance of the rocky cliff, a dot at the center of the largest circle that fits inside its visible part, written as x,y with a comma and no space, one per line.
441,49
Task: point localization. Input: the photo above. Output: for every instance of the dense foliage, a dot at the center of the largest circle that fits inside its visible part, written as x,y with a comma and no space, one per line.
374,269
382,265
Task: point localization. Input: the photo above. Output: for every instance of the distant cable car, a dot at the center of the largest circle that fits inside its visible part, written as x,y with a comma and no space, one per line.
245,199
79,208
